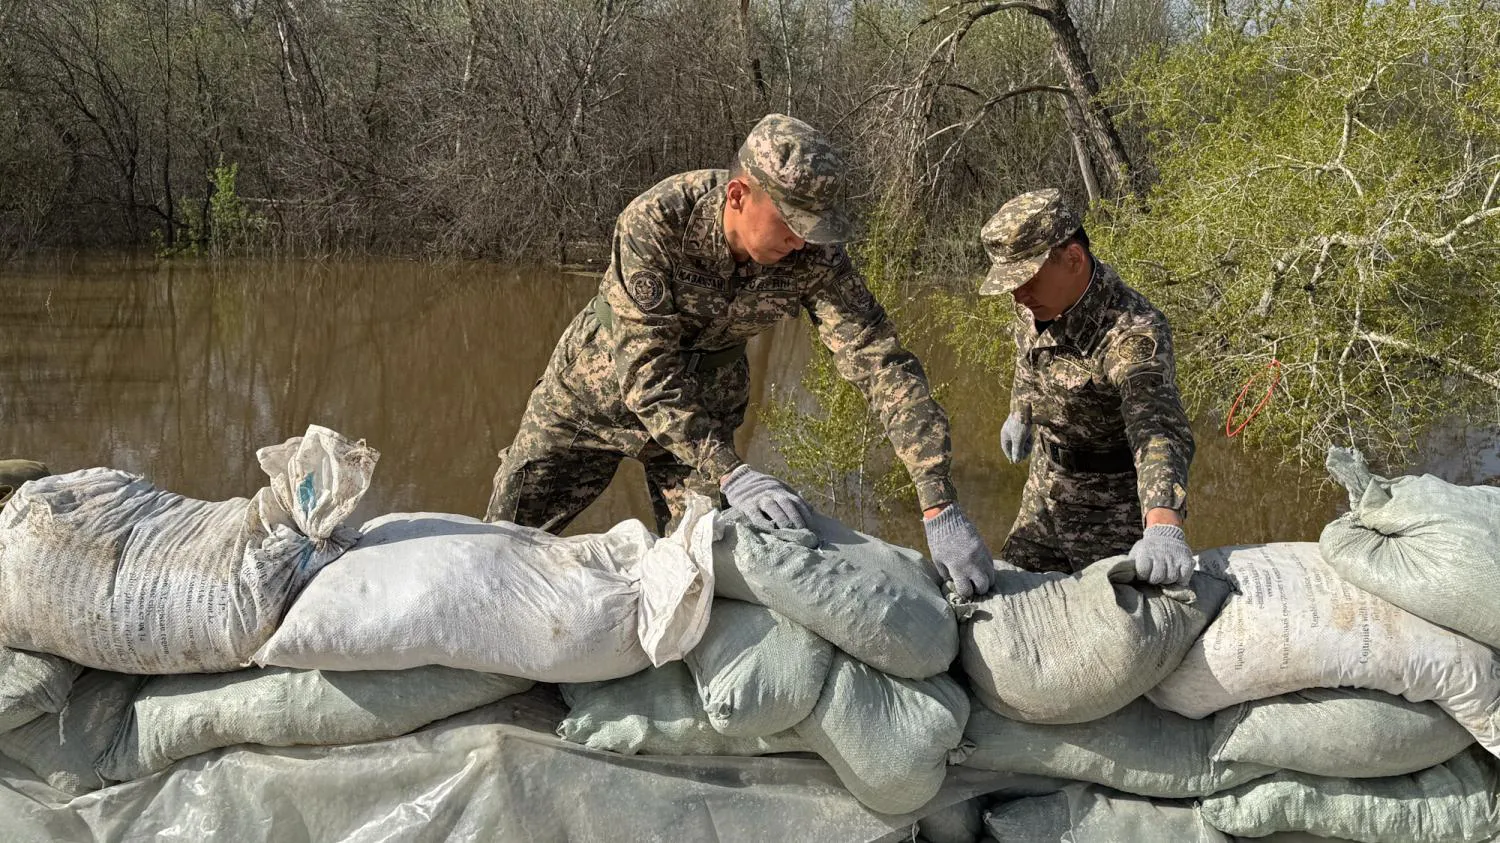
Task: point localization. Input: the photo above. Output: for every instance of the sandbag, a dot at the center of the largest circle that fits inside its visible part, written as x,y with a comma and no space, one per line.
1450,803
1293,624
655,712
758,672
436,589
1090,814
1340,732
1054,648
65,748
1421,543
106,570
880,603
888,738
961,822
1139,749
32,684
175,717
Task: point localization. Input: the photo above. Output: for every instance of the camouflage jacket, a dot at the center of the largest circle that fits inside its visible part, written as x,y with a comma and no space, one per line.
1103,376
675,288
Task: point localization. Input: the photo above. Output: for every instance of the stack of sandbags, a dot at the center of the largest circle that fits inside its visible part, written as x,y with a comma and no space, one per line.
65,748
1054,648
106,570
829,640
435,589
1294,623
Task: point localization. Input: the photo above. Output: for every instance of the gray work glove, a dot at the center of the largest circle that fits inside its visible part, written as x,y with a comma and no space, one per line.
1162,556
1015,437
769,503
959,553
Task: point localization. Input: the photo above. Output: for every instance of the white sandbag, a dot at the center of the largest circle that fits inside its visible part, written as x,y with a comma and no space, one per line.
436,589
1139,749
1455,801
880,603
32,684
1339,732
1293,624
655,712
961,822
1421,543
888,738
758,672
175,717
103,568
65,748
1091,814
1054,648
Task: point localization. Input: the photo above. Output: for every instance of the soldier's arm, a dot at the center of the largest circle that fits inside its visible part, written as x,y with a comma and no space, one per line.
1141,364
1023,385
868,354
646,340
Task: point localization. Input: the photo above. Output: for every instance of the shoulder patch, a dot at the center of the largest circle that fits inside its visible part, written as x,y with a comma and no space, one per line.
647,289
1136,348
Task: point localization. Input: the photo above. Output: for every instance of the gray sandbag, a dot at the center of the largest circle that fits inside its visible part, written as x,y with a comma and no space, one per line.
1139,749
888,738
1091,814
1454,802
1341,732
105,569
176,717
655,712
32,684
1422,543
65,748
757,671
1054,648
961,822
1293,623
880,603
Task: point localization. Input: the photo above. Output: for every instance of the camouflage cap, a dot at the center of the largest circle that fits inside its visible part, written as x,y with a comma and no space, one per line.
799,167
1019,236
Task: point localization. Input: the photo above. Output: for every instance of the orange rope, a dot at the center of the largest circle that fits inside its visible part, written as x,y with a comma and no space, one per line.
1274,367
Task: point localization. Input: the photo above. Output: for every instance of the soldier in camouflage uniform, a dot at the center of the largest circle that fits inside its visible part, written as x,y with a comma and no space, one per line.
654,368
1096,392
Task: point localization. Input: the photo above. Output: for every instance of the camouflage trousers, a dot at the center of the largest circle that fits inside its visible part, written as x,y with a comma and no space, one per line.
576,429
1069,520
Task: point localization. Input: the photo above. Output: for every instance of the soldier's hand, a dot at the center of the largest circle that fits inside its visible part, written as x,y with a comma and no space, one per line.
1162,556
769,503
958,552
1015,438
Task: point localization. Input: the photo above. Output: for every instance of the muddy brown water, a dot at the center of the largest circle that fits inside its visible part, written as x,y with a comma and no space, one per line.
181,370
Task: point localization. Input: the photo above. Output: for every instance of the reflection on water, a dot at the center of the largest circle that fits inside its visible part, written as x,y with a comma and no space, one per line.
179,371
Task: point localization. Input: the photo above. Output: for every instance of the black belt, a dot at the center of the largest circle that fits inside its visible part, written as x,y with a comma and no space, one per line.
1116,461
697,361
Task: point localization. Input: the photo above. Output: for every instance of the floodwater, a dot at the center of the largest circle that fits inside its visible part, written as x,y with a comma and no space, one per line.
180,370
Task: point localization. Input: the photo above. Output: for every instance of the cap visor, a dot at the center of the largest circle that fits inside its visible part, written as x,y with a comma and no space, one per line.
831,226
1005,277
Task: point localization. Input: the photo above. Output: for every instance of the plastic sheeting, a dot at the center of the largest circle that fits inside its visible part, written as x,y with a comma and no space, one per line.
496,773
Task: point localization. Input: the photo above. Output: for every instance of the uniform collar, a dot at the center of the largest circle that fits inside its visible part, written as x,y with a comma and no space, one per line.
1078,327
704,241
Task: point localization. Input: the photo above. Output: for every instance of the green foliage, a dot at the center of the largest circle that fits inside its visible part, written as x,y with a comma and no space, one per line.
228,229
1326,198
835,449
